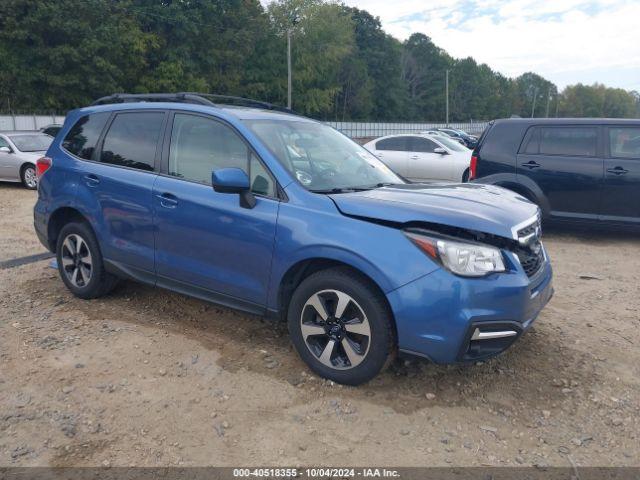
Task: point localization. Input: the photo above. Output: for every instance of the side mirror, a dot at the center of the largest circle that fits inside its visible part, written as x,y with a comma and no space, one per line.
5,150
440,150
234,180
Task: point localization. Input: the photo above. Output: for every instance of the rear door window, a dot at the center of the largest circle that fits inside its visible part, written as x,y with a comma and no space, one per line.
423,145
569,141
132,140
398,144
83,136
624,142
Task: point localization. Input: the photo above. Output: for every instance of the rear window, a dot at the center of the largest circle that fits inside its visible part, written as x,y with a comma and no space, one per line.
83,136
31,143
567,141
399,144
132,140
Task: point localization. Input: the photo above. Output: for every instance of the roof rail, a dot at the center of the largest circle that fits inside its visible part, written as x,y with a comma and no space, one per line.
208,99
233,100
153,97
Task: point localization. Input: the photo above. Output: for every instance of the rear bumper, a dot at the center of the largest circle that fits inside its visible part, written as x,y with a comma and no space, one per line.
40,225
450,319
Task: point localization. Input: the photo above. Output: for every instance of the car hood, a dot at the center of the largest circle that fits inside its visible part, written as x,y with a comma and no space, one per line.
483,208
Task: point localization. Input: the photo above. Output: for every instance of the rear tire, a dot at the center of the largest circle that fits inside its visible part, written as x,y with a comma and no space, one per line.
465,176
341,326
28,176
80,262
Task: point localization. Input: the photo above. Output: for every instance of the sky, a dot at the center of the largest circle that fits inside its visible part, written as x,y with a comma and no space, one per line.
565,41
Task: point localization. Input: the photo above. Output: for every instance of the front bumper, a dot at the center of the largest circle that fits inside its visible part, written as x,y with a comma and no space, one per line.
438,315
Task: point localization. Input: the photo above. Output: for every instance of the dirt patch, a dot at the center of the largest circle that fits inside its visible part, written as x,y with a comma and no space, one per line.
152,378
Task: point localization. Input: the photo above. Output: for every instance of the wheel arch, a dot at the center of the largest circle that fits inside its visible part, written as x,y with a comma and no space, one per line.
25,164
302,269
58,219
522,185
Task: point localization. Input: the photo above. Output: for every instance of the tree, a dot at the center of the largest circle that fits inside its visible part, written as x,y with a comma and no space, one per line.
379,92
323,39
63,54
424,68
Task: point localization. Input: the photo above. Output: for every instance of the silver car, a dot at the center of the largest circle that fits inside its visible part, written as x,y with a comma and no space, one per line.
19,151
423,158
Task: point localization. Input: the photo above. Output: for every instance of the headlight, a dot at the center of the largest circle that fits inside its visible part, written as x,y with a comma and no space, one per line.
465,259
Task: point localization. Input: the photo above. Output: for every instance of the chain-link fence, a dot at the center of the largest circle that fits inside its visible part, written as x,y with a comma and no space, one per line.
28,122
377,129
351,129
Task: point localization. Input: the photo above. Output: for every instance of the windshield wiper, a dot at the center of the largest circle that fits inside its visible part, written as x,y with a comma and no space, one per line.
341,190
387,184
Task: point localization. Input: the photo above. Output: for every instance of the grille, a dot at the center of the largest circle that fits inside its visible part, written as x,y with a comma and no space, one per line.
531,229
531,258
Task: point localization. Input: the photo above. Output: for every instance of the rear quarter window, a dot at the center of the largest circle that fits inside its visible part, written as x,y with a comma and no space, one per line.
83,136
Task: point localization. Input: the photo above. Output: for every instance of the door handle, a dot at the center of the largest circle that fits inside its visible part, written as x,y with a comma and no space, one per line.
531,165
168,200
91,180
414,157
617,171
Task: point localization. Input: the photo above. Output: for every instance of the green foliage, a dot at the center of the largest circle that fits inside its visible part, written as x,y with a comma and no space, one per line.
61,54
597,101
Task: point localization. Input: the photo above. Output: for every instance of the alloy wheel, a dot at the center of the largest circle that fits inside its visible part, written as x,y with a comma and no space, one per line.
76,260
335,329
30,178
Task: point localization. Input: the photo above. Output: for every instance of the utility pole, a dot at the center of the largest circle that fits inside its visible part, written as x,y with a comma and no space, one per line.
294,19
289,68
548,102
446,89
535,96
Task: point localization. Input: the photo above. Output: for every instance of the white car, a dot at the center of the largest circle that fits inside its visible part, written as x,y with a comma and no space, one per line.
19,151
423,158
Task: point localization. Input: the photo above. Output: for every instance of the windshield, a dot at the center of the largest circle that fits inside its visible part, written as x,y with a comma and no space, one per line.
31,143
321,158
452,144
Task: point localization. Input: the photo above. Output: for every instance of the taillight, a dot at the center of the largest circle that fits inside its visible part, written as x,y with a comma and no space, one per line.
473,167
42,165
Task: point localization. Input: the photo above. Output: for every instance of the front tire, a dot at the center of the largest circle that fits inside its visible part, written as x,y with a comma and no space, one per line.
80,262
341,326
28,177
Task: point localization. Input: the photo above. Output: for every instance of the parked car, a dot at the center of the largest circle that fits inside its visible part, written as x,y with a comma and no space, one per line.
19,151
467,140
436,133
279,215
423,158
52,129
579,170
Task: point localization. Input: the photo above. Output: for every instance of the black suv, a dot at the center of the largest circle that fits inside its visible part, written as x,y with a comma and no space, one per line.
574,169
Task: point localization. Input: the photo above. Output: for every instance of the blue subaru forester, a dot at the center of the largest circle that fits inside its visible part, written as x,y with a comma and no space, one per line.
242,204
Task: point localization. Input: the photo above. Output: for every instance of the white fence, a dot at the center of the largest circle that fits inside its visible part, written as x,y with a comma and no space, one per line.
351,129
375,129
28,122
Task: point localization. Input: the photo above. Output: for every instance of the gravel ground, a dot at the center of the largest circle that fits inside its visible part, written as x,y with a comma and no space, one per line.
146,377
